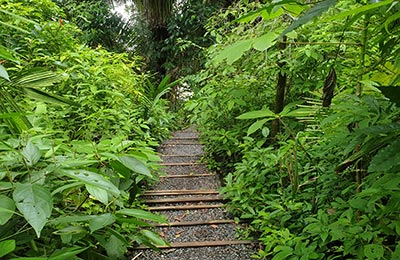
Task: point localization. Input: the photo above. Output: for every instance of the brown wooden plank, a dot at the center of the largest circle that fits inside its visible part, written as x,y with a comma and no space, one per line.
196,223
188,175
203,244
185,207
179,192
184,199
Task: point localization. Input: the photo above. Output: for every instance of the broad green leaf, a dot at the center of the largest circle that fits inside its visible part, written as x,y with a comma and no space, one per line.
386,158
289,107
98,193
373,251
317,10
256,125
67,253
101,221
357,10
35,203
358,203
3,73
77,163
5,185
284,252
92,178
257,114
154,238
70,219
6,55
66,187
70,230
7,209
233,52
267,12
142,214
135,165
31,154
115,247
265,131
265,41
6,247
300,112
133,221
121,169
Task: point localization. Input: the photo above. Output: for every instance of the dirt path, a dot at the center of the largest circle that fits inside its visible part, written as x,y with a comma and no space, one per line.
199,227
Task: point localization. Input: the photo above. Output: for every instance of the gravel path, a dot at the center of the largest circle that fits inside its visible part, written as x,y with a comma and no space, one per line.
185,236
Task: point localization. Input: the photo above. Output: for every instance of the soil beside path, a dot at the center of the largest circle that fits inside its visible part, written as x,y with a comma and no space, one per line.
199,227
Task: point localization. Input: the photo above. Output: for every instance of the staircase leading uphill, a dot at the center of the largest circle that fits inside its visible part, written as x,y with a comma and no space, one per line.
199,227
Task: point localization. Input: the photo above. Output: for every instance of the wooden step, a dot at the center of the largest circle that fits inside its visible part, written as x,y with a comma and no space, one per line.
183,199
188,175
179,192
203,244
185,207
196,223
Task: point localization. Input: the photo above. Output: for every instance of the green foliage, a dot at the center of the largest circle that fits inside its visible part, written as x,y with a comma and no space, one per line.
326,187
76,144
99,24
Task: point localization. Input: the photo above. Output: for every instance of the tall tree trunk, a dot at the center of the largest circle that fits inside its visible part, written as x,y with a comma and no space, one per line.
280,91
160,34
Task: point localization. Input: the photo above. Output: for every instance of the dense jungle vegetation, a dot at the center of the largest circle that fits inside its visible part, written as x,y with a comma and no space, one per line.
297,101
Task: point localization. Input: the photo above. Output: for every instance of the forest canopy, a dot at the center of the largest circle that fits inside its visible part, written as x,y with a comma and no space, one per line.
297,102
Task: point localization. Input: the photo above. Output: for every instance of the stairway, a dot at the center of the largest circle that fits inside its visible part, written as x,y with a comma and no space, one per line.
199,227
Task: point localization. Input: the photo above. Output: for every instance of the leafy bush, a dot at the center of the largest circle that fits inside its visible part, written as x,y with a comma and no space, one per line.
325,186
70,172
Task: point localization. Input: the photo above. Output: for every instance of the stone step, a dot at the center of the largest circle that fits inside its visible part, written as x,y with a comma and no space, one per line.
228,250
196,223
188,183
186,207
210,243
185,169
179,192
198,233
181,199
188,158
181,149
187,215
